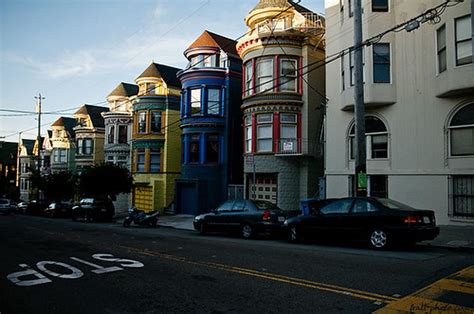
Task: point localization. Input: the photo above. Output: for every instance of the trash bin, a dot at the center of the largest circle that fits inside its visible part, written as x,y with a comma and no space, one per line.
307,205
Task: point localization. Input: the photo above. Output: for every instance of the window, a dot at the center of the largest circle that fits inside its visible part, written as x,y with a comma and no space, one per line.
111,135
155,123
351,8
376,139
142,122
381,59
288,74
195,101
463,40
88,146
248,78
462,197
248,134
337,207
343,74
362,206
288,133
461,131
155,160
379,5
194,150
213,101
62,155
264,133
151,89
441,48
212,148
141,160
264,74
79,148
123,134
351,66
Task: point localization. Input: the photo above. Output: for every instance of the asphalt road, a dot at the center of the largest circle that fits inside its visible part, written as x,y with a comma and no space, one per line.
60,266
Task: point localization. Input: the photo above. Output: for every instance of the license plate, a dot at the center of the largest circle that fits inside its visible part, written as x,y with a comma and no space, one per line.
426,219
281,219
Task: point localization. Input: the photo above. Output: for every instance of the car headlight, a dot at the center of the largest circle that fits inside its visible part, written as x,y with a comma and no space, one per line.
285,223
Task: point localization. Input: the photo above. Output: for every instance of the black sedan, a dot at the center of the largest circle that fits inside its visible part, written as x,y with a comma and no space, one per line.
377,221
248,217
94,209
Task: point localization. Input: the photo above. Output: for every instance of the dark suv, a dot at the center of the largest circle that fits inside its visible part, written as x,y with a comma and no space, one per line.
94,209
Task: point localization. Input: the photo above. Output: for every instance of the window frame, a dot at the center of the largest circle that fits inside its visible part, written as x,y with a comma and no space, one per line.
216,139
260,87
442,50
140,165
456,42
141,123
248,133
218,102
369,141
384,8
194,100
375,62
458,127
293,77
152,114
153,153
264,124
352,66
194,139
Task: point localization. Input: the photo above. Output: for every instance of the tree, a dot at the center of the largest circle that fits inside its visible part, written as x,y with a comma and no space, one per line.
105,180
59,186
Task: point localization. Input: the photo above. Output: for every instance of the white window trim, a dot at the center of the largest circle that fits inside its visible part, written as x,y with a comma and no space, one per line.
373,63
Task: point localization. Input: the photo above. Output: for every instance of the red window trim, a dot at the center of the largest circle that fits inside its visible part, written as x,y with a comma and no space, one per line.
276,131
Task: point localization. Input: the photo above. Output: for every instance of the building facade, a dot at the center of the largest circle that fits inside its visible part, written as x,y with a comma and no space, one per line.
8,170
27,159
90,136
156,145
63,140
283,92
210,123
419,102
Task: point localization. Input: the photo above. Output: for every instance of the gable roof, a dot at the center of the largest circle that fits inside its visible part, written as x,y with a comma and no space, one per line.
94,112
209,39
167,73
67,123
124,89
29,145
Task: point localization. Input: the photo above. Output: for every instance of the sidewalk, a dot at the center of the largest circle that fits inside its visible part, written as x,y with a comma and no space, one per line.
453,237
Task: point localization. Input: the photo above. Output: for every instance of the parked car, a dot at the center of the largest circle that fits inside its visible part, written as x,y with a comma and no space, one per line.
36,207
58,209
21,207
377,221
6,206
94,209
248,217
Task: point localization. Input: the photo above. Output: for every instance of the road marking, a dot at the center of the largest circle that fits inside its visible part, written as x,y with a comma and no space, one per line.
75,272
274,277
436,296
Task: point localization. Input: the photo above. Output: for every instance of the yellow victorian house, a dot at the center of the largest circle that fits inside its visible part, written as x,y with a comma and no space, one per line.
156,137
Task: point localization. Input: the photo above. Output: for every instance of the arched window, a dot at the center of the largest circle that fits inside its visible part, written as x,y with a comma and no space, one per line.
376,138
461,132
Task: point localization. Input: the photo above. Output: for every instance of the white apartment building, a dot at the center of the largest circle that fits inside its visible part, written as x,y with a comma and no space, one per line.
419,101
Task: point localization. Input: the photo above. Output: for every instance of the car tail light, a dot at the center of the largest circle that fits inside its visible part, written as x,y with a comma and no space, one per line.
412,220
266,215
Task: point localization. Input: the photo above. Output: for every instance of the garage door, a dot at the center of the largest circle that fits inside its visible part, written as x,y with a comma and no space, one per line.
142,196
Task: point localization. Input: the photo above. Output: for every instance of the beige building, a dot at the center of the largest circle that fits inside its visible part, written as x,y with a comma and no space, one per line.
63,142
419,96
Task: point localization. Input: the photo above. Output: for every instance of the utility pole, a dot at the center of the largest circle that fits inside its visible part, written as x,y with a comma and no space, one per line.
359,106
472,29
39,98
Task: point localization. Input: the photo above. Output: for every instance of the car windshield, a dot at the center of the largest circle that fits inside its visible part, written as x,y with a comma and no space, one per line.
87,201
264,205
394,204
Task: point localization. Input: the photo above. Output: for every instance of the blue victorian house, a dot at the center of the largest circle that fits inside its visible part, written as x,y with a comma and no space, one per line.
211,124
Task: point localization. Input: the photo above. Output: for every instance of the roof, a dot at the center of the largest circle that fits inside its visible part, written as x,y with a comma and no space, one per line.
209,39
262,4
94,112
29,145
167,73
8,152
124,89
67,123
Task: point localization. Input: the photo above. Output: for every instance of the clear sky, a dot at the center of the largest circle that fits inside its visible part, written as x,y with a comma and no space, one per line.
75,52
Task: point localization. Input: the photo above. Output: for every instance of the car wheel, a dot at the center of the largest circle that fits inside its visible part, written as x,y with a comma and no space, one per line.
127,222
295,234
378,239
246,231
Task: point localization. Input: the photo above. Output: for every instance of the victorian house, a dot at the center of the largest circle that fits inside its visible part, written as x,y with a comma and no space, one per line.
210,122
118,126
63,144
45,153
90,134
283,94
419,105
156,137
28,156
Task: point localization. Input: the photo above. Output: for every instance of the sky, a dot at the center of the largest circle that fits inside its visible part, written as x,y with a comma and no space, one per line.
76,52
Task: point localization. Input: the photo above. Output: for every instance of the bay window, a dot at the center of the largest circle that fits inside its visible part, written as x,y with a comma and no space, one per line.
195,101
288,133
248,134
248,78
123,134
288,74
212,148
155,121
155,160
264,82
463,39
140,160
111,135
142,122
213,101
381,62
441,48
194,149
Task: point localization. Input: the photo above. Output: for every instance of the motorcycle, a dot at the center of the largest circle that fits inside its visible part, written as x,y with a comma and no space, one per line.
139,217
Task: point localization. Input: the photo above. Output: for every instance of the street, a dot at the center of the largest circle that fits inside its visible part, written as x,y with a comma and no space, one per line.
60,266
